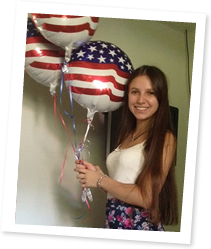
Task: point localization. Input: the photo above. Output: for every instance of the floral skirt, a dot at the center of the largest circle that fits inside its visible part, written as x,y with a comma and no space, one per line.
120,215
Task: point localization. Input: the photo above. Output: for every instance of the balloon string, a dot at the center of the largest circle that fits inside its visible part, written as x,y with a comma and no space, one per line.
63,122
87,204
60,115
87,130
70,135
64,68
86,201
77,150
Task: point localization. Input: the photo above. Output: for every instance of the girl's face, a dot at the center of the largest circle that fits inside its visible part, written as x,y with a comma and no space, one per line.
142,100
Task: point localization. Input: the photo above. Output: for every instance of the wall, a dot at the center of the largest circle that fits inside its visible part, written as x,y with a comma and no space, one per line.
41,200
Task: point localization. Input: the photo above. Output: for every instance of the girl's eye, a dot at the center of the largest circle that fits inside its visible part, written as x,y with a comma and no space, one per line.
151,93
134,92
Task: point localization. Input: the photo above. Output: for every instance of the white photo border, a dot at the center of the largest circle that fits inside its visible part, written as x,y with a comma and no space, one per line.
11,170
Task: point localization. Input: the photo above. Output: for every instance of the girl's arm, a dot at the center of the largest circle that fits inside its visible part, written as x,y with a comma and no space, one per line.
128,193
125,192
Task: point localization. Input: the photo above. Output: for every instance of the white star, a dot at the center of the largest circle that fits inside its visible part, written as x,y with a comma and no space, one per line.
92,48
101,51
104,45
101,59
112,52
111,60
80,53
129,66
121,60
90,57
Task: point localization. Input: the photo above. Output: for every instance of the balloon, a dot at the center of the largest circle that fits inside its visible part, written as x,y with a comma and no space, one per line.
97,74
68,32
42,58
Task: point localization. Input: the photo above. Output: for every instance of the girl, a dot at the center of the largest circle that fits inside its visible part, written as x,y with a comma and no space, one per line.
141,186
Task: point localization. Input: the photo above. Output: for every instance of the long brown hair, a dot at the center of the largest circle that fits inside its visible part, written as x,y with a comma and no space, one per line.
164,202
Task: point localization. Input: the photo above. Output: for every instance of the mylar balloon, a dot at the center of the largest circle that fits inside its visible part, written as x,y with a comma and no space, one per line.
68,32
97,75
42,58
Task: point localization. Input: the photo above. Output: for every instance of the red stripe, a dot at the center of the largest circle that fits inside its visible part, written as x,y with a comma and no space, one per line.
51,53
35,15
39,16
45,66
36,39
97,92
68,29
95,19
90,79
100,66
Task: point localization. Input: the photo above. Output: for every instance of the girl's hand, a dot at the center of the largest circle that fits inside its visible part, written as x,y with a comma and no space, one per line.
85,165
88,174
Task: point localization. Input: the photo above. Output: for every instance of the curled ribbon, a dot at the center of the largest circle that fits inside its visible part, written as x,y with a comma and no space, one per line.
86,192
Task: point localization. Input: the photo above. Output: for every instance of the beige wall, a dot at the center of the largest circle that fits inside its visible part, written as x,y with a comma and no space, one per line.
40,198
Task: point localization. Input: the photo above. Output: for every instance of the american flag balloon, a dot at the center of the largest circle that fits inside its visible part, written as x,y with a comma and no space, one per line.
42,58
97,75
66,31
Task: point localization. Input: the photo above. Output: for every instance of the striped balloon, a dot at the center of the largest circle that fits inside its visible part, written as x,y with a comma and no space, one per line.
42,58
68,32
97,75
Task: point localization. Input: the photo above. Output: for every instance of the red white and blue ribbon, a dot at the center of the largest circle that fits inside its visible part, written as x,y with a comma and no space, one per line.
86,192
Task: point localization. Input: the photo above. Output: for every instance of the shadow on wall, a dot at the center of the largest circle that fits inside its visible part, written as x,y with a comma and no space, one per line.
38,180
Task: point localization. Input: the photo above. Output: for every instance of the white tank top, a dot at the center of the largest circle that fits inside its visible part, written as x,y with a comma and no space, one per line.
124,165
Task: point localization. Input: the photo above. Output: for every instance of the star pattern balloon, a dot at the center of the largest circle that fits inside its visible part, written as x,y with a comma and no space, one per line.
97,75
